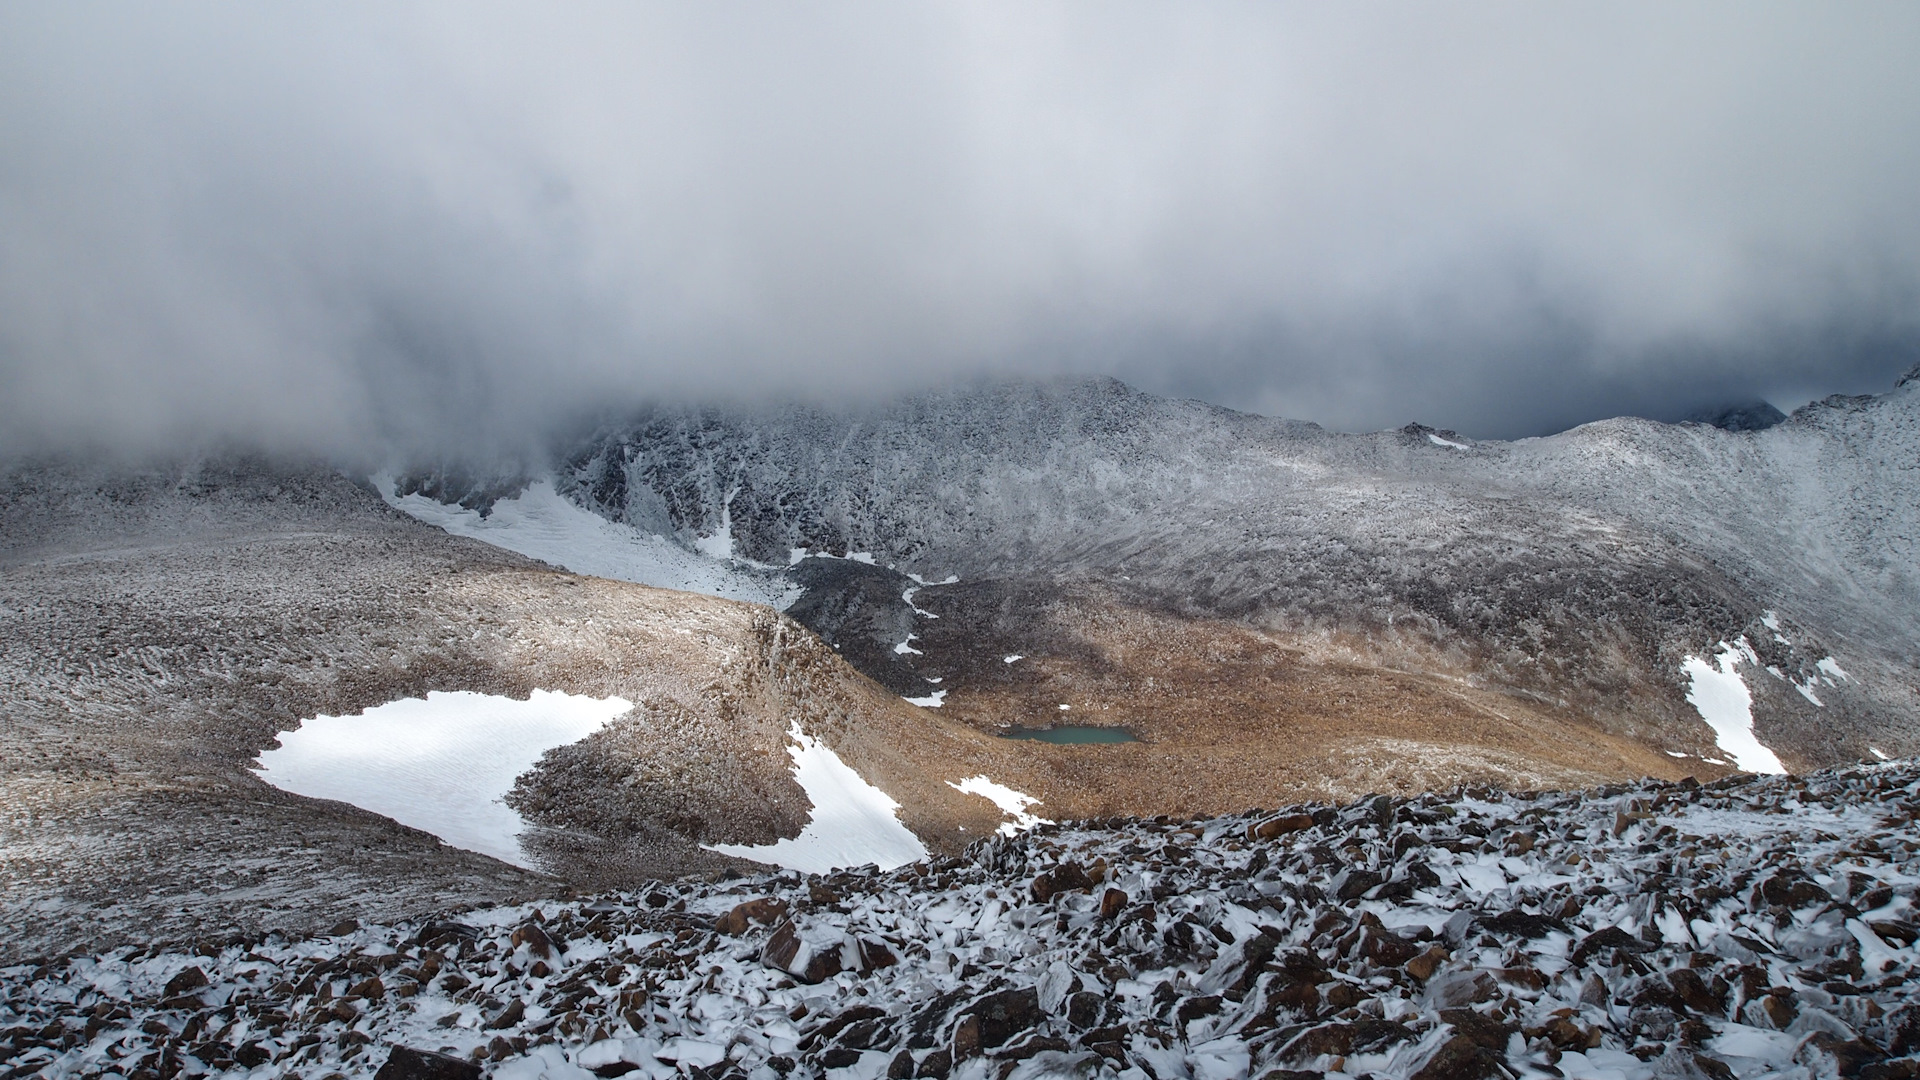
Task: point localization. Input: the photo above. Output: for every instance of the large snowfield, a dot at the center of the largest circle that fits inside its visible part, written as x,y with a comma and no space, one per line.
440,763
541,523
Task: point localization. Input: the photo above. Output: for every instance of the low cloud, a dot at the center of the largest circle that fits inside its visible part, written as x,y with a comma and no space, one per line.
450,227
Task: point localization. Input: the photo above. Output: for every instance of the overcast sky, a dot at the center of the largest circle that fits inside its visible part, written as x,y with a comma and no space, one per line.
325,225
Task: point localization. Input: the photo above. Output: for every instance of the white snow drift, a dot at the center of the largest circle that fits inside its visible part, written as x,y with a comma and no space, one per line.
1724,702
1011,803
543,524
441,763
853,822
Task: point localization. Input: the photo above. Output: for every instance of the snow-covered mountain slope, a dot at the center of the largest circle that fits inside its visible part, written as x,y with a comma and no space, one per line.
1748,928
1577,572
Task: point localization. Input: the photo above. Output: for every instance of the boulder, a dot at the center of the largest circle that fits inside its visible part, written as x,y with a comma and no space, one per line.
406,1063
766,910
812,954
1279,826
1067,877
994,1020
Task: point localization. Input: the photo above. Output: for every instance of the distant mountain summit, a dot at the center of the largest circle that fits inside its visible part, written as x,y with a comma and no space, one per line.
1746,416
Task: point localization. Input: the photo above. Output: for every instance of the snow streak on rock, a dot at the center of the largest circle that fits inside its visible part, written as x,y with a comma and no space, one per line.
441,764
1754,927
853,822
542,524
1011,803
1722,698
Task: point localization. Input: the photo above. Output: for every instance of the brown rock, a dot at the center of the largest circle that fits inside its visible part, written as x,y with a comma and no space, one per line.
1386,948
1459,1058
1696,993
1067,877
766,910
1779,1009
1423,966
1342,995
405,1063
1278,826
188,980
371,989
1488,1032
994,1020
1325,1039
515,1011
534,938
811,961
1112,902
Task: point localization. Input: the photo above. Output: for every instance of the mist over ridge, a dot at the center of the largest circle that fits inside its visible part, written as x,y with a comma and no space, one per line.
442,228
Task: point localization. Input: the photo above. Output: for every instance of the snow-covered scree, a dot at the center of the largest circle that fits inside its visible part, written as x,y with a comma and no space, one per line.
1755,926
442,763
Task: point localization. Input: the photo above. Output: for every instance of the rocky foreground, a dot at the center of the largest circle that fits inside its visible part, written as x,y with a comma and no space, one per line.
1743,928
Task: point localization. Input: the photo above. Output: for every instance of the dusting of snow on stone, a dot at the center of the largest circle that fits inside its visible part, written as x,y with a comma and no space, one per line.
543,524
1438,441
440,763
853,822
1011,803
931,701
1723,701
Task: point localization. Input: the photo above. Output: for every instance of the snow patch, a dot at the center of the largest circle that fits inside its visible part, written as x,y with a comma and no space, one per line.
1438,441
907,597
853,822
1827,665
1877,752
1011,803
720,544
1675,753
440,763
905,648
1806,691
1770,620
931,701
543,524
1723,701
1012,659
